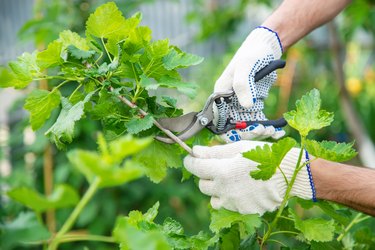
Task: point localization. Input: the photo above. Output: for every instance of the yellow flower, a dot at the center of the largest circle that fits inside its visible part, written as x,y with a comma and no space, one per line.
354,86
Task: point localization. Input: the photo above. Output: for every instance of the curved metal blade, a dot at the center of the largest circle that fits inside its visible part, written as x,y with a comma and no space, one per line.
178,124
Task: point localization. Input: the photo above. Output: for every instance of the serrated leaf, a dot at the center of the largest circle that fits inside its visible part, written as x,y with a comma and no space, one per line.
116,27
157,158
223,218
171,102
315,229
62,196
62,131
170,226
126,146
137,231
51,56
308,115
25,67
185,88
24,229
68,37
78,53
330,150
176,59
136,125
6,78
40,104
130,237
138,38
269,157
9,79
157,49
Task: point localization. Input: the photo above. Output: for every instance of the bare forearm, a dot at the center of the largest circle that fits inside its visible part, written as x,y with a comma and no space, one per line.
296,18
345,184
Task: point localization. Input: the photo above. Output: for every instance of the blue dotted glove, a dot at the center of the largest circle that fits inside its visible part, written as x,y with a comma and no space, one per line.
260,48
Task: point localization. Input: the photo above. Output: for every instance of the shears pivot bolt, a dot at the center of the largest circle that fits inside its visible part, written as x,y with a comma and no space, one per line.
203,121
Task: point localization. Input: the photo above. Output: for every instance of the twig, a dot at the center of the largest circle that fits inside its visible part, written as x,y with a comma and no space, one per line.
156,123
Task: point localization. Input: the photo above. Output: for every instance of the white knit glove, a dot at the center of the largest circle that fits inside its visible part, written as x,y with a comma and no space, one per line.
224,175
260,48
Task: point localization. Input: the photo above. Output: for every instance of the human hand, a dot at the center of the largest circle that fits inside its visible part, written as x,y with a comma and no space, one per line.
260,48
224,175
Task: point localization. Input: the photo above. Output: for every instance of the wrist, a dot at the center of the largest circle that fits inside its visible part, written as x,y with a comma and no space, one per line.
265,35
303,186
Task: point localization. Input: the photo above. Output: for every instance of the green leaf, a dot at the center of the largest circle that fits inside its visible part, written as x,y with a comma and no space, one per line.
116,27
138,38
188,89
78,53
106,165
137,231
170,226
40,104
157,49
130,237
25,229
230,238
51,56
62,130
223,218
10,79
308,115
25,68
330,150
68,37
315,229
62,196
185,88
157,158
177,59
269,157
333,245
171,102
93,165
126,146
136,125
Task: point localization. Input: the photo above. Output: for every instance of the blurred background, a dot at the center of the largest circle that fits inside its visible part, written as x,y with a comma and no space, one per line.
337,59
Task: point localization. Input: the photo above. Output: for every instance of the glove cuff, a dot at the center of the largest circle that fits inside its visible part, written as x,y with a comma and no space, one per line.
270,37
303,186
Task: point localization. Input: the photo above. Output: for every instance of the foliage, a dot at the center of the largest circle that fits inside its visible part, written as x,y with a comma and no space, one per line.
88,76
119,53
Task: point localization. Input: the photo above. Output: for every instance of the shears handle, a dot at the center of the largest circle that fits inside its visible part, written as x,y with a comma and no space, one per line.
224,125
272,66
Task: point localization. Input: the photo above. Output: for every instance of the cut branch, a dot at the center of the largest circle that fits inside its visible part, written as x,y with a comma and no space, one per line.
156,123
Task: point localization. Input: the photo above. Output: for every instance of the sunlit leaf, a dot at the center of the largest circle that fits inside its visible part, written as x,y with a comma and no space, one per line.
330,150
308,115
40,103
269,157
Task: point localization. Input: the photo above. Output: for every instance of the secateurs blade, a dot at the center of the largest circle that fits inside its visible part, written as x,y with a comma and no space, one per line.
191,123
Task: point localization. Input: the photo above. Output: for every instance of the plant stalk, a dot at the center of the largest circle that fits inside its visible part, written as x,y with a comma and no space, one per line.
356,220
285,199
156,123
76,212
87,237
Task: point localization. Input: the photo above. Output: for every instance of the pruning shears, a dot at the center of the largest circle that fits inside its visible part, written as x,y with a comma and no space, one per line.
191,123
